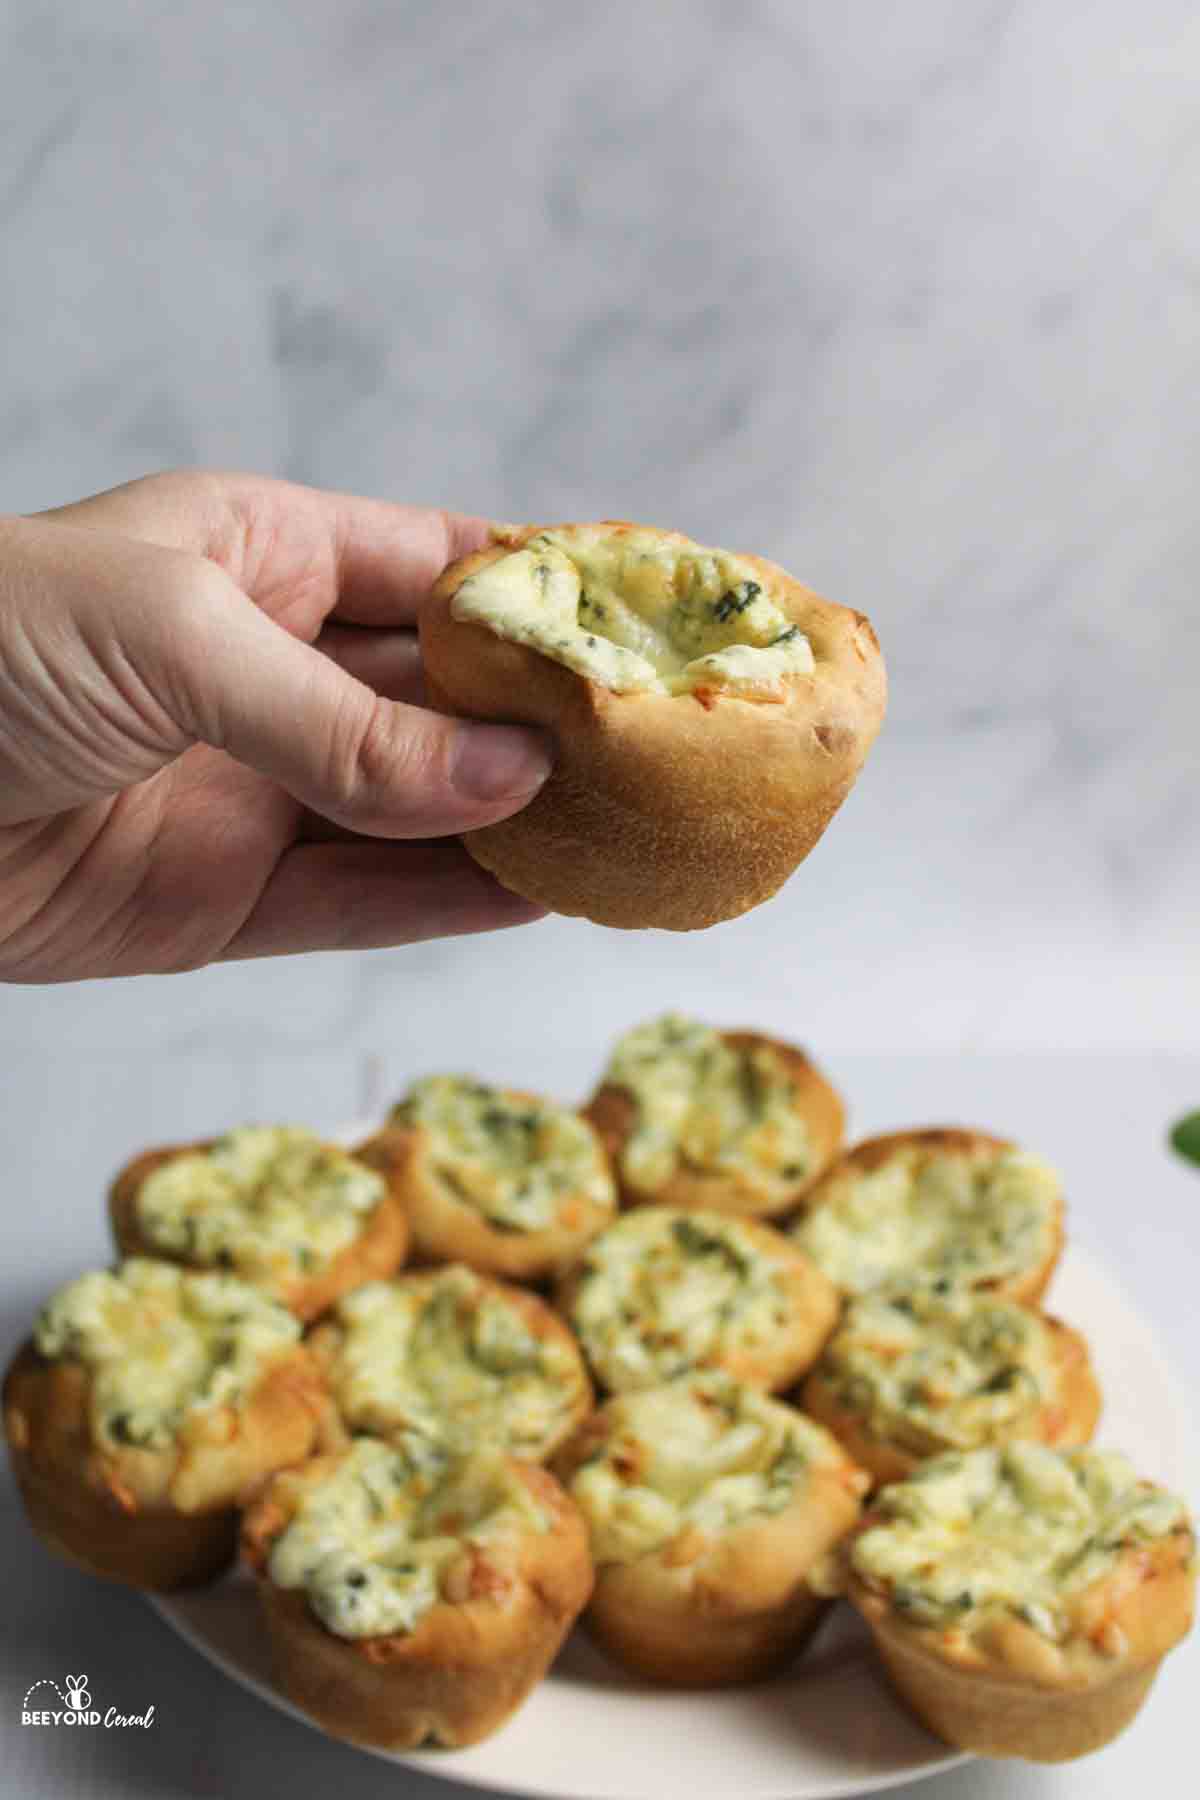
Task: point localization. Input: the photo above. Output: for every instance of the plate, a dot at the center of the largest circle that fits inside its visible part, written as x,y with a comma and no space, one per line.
828,1727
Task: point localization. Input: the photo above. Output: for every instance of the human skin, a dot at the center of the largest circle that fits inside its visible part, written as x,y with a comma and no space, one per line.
212,742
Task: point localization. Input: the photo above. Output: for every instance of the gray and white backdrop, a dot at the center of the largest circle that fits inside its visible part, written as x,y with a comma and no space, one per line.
904,297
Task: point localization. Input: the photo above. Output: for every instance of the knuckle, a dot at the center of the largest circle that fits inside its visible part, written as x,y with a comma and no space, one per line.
379,754
172,494
196,588
165,482
193,599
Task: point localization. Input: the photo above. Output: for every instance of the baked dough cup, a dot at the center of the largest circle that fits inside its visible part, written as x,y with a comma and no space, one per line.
709,715
302,1219
457,1359
408,1605
147,1405
1034,1624
909,1375
708,1505
513,1184
730,1121
664,1292
946,1207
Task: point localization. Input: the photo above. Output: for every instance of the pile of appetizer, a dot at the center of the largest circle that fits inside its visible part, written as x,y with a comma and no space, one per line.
676,1363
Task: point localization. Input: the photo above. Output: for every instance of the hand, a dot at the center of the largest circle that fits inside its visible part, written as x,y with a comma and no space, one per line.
211,733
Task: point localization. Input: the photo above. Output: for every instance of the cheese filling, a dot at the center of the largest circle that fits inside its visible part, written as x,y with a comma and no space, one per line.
933,1372
1021,1530
937,1217
663,1292
162,1345
449,1358
704,1104
640,613
514,1159
392,1531
699,1456
266,1200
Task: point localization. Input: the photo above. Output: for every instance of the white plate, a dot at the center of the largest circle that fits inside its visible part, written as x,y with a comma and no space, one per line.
829,1727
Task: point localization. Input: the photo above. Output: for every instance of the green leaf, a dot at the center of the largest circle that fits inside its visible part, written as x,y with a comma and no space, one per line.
1185,1136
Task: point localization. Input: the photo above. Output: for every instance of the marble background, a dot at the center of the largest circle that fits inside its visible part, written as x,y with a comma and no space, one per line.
905,297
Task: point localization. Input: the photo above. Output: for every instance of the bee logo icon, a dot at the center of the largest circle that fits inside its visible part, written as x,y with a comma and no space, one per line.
78,1697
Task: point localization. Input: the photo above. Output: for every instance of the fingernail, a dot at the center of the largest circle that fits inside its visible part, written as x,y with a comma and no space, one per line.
499,762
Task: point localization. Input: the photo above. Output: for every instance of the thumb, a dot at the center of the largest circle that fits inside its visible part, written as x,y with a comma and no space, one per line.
374,765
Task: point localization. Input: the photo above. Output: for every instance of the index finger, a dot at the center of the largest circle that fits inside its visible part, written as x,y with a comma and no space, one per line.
304,554
389,556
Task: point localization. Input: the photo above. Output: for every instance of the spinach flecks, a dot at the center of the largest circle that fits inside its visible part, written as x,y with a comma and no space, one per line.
736,600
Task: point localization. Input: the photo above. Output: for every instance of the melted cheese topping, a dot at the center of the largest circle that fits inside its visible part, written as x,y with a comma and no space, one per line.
934,1216
933,1372
516,1160
639,613
270,1201
662,1292
703,1103
392,1531
449,1358
161,1345
701,1455
1021,1530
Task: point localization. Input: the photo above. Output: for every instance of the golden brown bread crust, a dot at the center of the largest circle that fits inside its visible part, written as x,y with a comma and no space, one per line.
447,1229
1012,1693
812,1311
664,811
713,1612
463,1670
1067,1418
540,1320
151,1518
1027,1285
378,1250
613,1112
872,1153
709,1633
